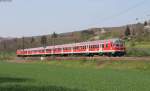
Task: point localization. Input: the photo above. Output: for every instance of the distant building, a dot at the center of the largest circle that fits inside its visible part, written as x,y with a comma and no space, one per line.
148,22
103,31
147,27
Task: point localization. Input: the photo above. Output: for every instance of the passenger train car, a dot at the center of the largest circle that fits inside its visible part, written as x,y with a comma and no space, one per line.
109,47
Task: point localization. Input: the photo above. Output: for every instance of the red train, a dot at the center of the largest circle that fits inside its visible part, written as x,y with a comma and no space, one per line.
109,47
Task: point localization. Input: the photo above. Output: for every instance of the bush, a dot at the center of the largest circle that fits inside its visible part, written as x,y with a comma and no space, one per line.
7,55
138,52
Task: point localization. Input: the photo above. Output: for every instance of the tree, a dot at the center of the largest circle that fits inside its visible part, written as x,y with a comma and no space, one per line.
145,23
87,34
54,35
32,40
15,43
4,45
23,46
133,32
43,41
127,31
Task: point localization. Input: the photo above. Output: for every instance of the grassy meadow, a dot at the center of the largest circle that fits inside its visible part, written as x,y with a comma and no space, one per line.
137,48
75,76
7,55
80,75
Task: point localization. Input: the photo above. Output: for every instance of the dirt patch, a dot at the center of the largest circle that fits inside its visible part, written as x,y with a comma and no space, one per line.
20,61
100,60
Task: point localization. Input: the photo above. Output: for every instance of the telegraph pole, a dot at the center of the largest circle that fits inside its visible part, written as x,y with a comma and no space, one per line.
23,45
54,35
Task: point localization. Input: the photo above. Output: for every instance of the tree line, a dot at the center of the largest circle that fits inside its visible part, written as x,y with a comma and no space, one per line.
137,33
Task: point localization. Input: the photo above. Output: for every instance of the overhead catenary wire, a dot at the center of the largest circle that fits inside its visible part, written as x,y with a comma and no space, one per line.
124,11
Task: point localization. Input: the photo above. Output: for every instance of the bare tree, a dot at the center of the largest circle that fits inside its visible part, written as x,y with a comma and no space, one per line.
127,31
4,45
15,43
54,35
32,41
44,41
23,44
145,23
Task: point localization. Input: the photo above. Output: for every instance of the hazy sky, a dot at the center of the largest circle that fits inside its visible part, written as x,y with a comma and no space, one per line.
37,17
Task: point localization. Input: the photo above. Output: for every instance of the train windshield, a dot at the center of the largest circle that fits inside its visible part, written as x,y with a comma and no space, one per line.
119,43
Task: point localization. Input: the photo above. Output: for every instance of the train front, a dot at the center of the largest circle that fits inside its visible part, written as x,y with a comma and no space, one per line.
119,48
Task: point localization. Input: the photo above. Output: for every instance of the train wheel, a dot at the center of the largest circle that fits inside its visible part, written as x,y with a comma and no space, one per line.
101,54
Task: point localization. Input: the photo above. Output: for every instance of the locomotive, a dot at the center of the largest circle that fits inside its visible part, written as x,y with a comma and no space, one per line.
108,47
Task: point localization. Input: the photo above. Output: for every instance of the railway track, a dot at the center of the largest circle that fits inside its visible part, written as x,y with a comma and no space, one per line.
87,58
105,58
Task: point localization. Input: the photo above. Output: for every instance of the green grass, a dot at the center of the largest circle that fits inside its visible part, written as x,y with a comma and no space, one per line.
138,52
138,48
7,55
75,76
137,44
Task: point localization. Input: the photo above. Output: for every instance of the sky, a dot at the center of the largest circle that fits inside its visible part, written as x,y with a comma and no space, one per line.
38,17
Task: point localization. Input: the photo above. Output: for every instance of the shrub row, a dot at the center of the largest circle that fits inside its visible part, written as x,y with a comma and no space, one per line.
138,52
7,55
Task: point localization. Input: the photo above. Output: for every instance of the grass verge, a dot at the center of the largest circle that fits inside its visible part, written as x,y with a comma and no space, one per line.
75,76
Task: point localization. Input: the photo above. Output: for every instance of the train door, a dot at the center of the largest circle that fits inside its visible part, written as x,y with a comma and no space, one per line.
100,48
107,46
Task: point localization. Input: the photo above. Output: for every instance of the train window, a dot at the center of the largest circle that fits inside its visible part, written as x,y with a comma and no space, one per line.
121,45
117,45
78,47
48,50
89,46
75,48
67,48
35,50
84,47
102,45
106,45
93,46
97,46
111,44
58,49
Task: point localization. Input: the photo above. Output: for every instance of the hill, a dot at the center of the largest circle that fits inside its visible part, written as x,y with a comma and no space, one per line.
138,34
